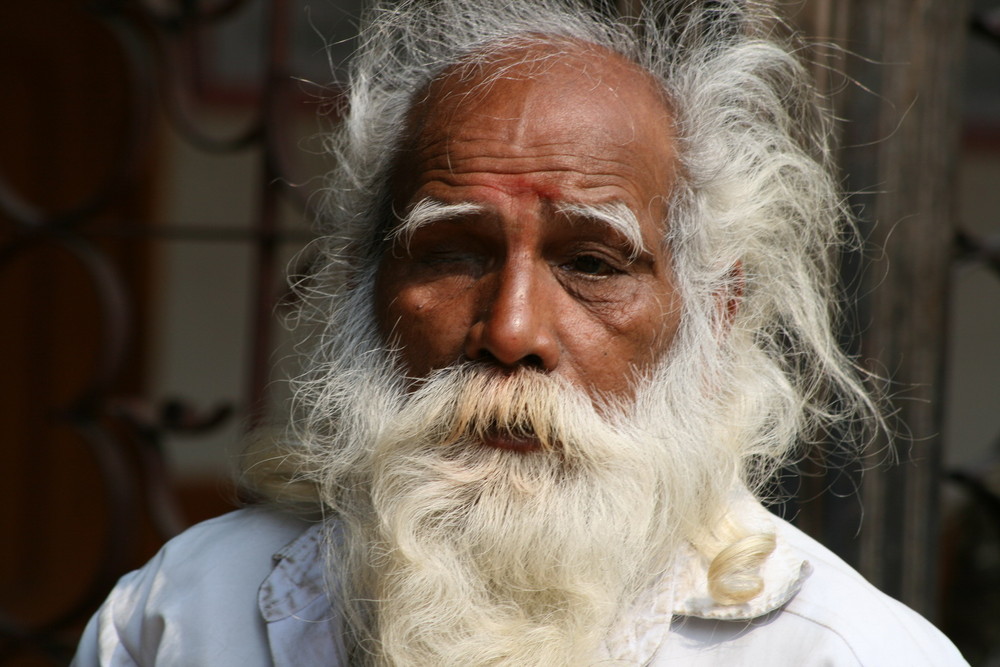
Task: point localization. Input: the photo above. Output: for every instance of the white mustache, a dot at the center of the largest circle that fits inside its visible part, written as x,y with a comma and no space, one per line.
469,402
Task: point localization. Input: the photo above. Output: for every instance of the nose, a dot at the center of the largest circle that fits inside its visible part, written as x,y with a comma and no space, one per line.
515,320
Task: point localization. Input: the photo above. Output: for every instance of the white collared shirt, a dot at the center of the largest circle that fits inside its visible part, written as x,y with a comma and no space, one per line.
249,589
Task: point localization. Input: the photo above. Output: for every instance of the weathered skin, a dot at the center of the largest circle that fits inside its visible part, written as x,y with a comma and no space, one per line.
520,283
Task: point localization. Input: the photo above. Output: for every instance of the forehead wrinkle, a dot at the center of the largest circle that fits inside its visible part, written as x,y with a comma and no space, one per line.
447,147
590,66
436,155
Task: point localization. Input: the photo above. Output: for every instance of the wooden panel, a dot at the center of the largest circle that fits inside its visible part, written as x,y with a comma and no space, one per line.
899,147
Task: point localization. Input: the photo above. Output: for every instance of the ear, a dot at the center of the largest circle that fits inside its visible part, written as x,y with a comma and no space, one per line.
728,299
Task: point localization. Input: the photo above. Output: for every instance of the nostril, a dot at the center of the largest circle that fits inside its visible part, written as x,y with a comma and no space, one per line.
485,356
533,361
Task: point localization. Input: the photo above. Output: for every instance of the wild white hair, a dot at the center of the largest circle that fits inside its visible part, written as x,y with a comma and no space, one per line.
756,211
755,224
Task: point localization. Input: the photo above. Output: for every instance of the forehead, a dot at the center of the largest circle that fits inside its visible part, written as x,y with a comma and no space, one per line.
503,78
572,116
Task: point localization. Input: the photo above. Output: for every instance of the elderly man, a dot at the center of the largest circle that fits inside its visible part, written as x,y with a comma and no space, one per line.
576,309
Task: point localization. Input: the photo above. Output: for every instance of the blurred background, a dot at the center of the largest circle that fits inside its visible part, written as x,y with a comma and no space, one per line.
158,164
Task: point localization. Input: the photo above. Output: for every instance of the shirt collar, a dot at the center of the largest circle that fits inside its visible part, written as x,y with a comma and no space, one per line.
683,591
782,573
303,626
297,577
297,587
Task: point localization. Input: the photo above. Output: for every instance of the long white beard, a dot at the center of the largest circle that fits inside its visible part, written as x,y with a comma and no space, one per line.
459,554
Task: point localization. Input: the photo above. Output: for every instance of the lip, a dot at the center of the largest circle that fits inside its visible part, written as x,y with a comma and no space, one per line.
512,443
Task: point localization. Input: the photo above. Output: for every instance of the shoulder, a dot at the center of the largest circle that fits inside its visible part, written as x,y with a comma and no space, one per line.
837,601
232,545
835,618
227,556
197,598
829,616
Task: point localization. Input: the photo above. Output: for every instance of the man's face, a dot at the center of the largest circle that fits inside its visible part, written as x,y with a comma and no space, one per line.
531,237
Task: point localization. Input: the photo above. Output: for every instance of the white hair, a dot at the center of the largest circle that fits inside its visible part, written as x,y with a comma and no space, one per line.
756,211
755,221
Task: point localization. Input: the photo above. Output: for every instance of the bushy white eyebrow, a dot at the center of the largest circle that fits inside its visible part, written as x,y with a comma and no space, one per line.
425,212
616,215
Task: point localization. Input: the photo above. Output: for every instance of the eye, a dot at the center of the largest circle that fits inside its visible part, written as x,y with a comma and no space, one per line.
590,265
445,249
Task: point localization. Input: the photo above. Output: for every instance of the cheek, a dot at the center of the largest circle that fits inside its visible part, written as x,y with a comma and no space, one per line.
632,337
642,318
429,328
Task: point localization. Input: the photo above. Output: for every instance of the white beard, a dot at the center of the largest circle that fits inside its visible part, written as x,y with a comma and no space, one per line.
459,554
